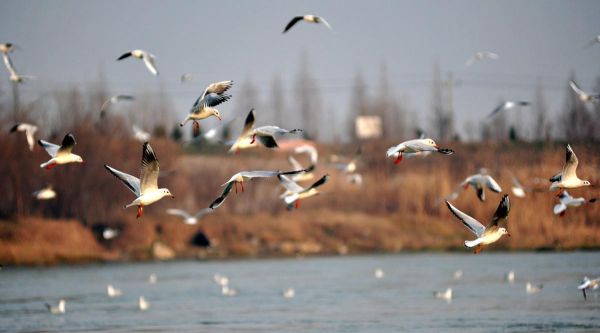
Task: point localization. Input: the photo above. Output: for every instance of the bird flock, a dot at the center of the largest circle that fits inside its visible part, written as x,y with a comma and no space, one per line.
146,190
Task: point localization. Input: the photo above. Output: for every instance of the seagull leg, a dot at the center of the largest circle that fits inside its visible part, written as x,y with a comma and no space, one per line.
235,184
398,159
478,249
196,126
140,212
563,213
297,205
50,166
242,184
253,139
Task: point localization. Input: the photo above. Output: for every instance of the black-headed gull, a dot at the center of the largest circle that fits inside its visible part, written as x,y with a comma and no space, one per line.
584,96
60,309
113,292
187,217
113,100
588,283
415,146
60,154
250,136
289,293
480,56
204,105
7,47
240,178
29,131
313,156
507,105
46,193
306,18
144,56
109,233
145,188
143,304
139,134
567,178
517,189
294,192
566,200
531,289
485,235
228,291
479,182
445,295
14,77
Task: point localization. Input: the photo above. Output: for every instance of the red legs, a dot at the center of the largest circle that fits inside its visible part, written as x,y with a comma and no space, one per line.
297,205
196,126
478,249
242,184
560,192
398,159
140,212
236,183
466,186
563,213
237,151
253,139
50,166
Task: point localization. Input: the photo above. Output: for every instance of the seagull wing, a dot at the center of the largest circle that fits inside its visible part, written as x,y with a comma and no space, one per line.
212,99
124,55
9,65
259,174
311,150
132,182
576,88
67,144
50,148
292,23
559,208
496,110
149,62
502,211
178,212
469,222
289,184
149,170
318,183
203,212
267,141
322,20
248,124
571,163
492,184
218,87
219,201
295,164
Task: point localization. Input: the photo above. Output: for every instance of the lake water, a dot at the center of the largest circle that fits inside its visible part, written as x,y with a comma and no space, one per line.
333,294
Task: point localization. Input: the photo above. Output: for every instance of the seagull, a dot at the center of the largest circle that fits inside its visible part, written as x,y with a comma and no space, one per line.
143,304
583,96
457,274
14,77
265,135
113,100
139,134
29,130
203,107
568,177
7,47
510,277
379,274
289,293
60,309
415,146
221,280
596,40
446,295
313,155
240,178
533,289
60,154
143,55
109,233
226,291
517,189
479,182
507,105
146,187
306,18
294,192
152,278
485,235
588,283
187,218
566,200
113,292
46,193
480,56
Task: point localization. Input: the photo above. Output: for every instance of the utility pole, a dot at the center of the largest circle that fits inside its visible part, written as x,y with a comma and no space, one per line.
15,93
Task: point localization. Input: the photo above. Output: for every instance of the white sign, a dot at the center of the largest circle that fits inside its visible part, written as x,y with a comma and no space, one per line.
368,127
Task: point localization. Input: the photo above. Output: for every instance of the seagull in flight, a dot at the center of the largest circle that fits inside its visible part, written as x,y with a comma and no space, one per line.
60,154
46,193
29,130
583,96
7,47
139,134
415,146
480,56
146,57
566,200
588,283
145,188
568,177
306,18
113,100
204,105
187,218
507,105
294,192
60,309
14,77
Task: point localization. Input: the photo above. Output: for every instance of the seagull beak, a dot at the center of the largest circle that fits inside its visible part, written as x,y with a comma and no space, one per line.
508,234
218,117
437,146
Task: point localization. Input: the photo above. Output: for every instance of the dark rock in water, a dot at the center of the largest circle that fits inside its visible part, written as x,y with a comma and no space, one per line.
200,240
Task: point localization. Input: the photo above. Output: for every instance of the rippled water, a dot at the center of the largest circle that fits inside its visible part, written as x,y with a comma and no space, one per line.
334,294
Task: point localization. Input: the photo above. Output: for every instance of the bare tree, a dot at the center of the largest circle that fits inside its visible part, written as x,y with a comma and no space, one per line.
541,125
440,119
308,99
277,100
358,103
576,120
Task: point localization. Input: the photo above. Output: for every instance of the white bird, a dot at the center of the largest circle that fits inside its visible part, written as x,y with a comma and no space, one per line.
240,178
187,218
306,18
517,189
588,283
480,56
46,193
204,105
143,55
60,309
152,278
227,291
479,182
221,280
7,47
566,200
507,105
584,96
109,233
313,156
146,187
457,274
485,235
139,134
289,293
510,277
379,273
113,292
264,134
415,146
568,177
294,192
60,154
143,304
29,130
533,289
14,77
445,295
113,100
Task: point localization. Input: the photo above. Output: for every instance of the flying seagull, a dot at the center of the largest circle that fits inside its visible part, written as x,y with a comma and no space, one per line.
60,309
568,177
146,187
415,146
588,283
7,47
60,154
204,105
264,134
480,56
479,182
566,200
29,130
14,77
306,18
144,56
485,235
294,192
313,156
507,105
46,193
187,218
113,100
583,96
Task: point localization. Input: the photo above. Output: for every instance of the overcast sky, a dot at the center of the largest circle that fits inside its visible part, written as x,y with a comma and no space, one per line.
66,43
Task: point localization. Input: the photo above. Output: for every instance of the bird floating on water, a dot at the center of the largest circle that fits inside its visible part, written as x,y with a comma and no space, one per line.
445,295
113,292
531,289
60,309
143,304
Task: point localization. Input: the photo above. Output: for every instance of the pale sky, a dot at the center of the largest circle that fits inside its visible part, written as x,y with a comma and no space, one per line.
65,43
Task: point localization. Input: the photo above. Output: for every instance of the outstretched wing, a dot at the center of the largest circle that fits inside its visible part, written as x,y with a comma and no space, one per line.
203,212
248,124
469,222
125,55
267,141
492,184
219,201
67,144
289,184
576,88
132,183
318,183
502,211
178,212
295,164
149,62
322,20
218,87
496,110
50,148
571,163
149,170
292,23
